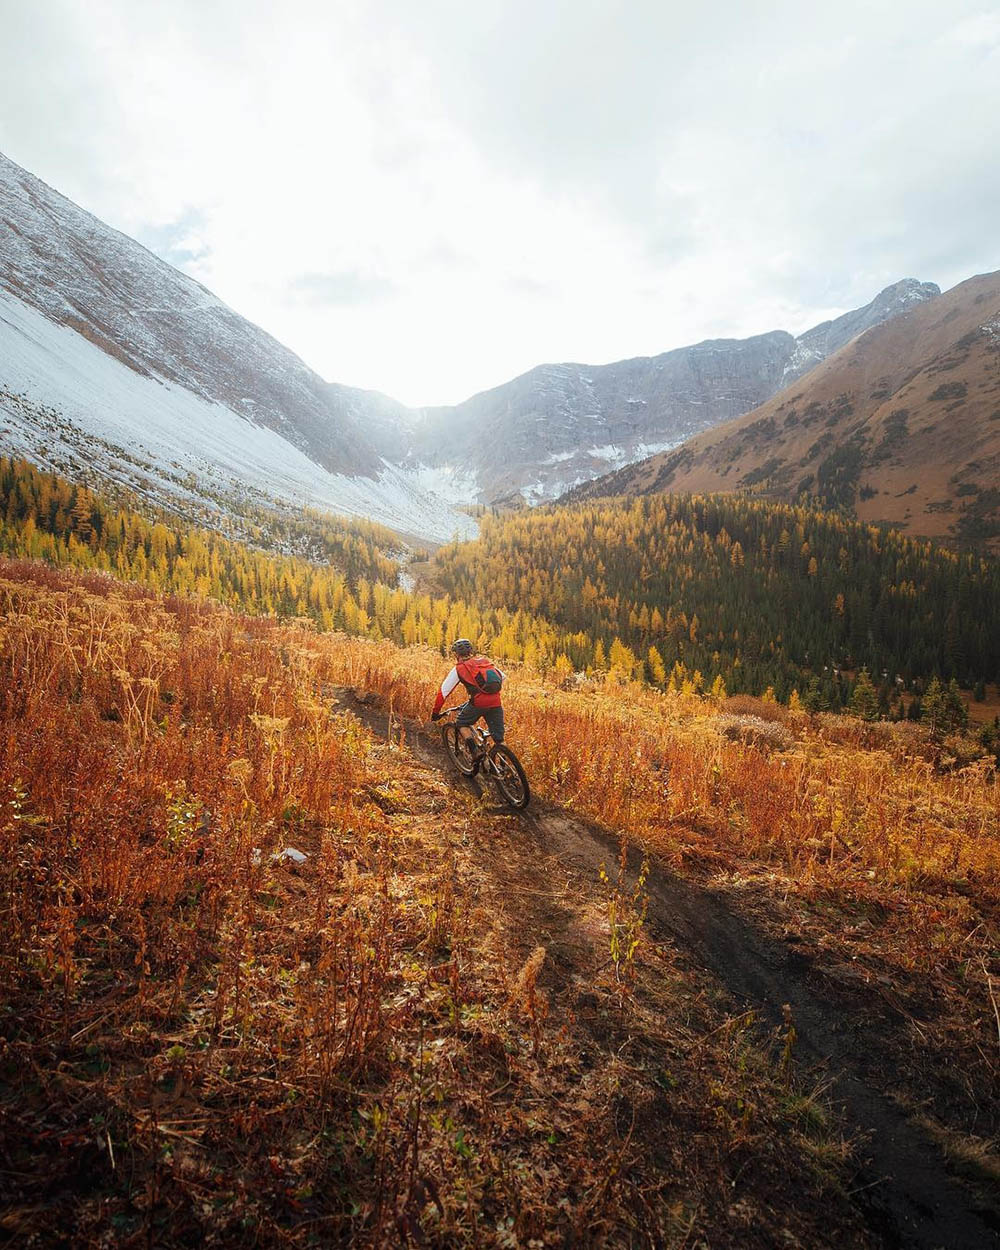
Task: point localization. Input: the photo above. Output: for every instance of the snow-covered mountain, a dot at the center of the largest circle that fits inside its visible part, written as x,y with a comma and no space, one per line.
563,424
115,364
830,336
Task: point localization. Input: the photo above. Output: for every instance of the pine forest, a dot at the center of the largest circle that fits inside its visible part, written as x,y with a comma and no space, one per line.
761,595
275,975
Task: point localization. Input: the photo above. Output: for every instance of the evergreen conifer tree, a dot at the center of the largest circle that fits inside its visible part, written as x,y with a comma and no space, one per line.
864,698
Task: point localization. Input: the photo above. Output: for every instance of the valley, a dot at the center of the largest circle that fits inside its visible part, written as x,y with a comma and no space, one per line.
273,973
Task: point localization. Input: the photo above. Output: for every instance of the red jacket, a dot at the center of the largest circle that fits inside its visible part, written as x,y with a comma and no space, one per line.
464,672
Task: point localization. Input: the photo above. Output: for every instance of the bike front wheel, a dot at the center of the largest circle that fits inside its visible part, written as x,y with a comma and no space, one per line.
458,748
509,777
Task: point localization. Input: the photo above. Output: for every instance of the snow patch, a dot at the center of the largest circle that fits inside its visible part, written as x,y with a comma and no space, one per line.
613,455
162,438
609,451
991,329
617,455
802,358
446,481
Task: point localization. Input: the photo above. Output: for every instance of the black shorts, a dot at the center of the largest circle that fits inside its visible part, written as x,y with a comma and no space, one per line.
493,716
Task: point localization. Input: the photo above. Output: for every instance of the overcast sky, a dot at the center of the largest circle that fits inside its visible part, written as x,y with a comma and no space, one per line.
427,197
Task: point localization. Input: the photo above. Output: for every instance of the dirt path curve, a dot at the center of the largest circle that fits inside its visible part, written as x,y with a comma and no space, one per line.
907,1197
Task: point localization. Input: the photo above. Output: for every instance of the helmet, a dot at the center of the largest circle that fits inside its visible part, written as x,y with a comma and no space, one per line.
462,648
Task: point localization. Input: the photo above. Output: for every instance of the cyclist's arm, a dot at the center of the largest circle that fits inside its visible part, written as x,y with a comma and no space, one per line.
447,686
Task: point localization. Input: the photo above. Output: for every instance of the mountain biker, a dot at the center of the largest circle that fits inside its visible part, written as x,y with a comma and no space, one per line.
479,676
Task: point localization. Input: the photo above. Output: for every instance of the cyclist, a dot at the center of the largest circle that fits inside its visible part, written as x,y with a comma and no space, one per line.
482,680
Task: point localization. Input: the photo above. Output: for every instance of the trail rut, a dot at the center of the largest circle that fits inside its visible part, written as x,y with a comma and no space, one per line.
903,1188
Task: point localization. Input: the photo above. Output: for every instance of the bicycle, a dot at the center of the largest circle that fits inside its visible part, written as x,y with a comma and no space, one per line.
496,761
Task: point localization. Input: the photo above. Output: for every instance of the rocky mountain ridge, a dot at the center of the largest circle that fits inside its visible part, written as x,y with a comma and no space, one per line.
562,424
114,364
902,425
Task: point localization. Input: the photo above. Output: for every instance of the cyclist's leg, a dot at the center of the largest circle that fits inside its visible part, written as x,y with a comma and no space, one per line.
494,722
464,721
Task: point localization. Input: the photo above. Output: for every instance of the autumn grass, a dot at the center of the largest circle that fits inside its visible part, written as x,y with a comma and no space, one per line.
202,1044
866,844
858,802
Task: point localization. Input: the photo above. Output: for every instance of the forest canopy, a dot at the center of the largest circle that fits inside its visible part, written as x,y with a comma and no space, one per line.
759,593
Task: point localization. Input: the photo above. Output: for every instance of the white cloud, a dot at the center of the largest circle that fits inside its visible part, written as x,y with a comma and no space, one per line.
428,198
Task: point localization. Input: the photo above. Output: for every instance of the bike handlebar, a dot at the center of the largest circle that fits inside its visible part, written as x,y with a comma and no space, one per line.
451,711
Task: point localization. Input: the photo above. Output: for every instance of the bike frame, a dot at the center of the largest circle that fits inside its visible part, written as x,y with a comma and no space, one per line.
487,756
481,735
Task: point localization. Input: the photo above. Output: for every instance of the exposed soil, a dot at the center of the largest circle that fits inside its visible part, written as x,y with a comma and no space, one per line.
903,1192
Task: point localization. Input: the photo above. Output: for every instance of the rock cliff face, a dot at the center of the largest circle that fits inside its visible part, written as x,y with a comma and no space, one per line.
563,424
560,424
902,425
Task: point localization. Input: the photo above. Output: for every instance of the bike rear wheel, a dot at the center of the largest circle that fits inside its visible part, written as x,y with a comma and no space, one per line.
458,748
510,777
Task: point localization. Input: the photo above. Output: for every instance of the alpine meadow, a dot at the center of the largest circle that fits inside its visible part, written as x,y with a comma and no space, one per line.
417,1031
563,812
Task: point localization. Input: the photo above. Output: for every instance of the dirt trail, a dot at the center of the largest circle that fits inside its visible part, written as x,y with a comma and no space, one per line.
906,1195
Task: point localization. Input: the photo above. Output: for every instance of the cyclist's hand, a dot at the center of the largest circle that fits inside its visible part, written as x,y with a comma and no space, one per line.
436,715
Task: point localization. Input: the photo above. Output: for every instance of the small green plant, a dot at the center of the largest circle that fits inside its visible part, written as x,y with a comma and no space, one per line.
183,819
627,909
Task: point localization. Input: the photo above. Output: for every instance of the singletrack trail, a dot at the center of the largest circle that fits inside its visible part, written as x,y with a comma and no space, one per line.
903,1191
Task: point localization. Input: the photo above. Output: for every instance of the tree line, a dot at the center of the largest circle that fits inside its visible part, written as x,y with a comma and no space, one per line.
695,593
757,593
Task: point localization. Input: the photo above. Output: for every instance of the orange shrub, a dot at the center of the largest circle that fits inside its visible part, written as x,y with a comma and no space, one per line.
750,705
657,767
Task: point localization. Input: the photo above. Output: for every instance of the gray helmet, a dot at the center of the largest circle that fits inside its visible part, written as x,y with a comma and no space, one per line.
463,648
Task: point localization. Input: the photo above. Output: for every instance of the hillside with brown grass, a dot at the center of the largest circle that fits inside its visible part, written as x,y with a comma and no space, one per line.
902,426
448,1025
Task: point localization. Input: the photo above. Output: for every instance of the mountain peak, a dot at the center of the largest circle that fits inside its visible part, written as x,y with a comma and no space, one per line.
565,424
830,336
907,289
900,426
115,364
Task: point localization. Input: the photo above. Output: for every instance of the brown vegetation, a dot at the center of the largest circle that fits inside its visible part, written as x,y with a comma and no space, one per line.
204,1042
867,843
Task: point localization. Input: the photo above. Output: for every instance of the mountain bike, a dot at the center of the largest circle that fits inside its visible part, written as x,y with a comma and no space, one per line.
493,759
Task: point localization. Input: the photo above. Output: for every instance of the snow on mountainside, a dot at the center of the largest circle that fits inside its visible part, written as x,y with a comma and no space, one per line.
830,336
112,360
561,425
98,418
116,360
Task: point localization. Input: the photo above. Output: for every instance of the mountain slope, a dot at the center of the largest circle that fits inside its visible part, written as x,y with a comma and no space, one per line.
562,424
902,425
178,394
757,593
471,949
830,336
112,360
566,422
